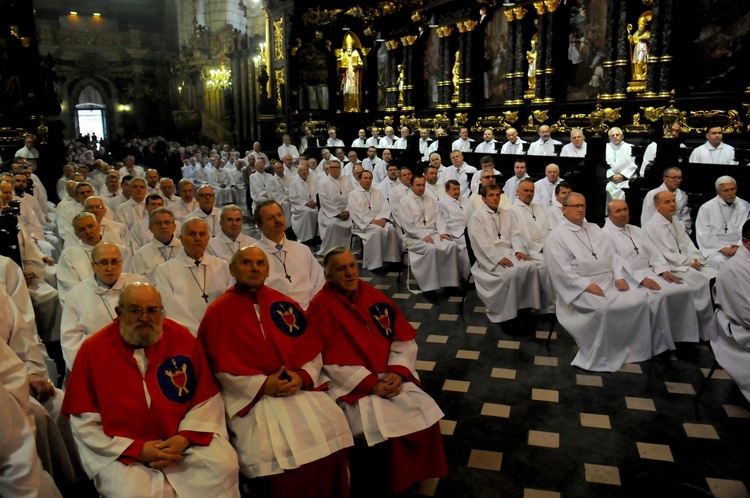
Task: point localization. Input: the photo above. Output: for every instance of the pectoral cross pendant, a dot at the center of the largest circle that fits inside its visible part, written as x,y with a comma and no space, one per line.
726,229
636,250
288,277
205,297
594,255
499,236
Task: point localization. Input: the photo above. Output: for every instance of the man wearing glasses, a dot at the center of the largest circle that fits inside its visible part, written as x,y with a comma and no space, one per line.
672,179
207,211
145,409
608,319
90,305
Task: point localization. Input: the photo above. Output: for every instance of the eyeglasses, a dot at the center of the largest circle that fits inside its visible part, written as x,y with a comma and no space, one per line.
163,223
576,206
153,312
207,195
108,262
673,177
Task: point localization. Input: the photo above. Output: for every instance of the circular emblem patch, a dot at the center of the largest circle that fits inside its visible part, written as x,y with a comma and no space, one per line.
383,315
288,319
176,378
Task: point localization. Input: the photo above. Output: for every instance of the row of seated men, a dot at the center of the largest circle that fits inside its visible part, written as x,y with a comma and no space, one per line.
713,151
154,410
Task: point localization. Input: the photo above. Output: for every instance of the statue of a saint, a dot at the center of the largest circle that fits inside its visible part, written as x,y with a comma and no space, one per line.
350,68
531,58
400,84
455,78
639,45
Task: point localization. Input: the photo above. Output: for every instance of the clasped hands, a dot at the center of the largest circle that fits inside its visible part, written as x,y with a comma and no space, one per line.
389,386
282,383
160,454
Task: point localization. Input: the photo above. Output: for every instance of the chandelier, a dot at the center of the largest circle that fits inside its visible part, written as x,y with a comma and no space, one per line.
220,79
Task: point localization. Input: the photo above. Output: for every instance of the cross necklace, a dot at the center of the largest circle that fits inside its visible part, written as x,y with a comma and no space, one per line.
205,282
590,246
626,231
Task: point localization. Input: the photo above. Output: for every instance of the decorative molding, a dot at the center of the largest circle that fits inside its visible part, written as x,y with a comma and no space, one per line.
552,5
495,123
408,40
540,8
278,39
520,13
699,121
391,44
444,31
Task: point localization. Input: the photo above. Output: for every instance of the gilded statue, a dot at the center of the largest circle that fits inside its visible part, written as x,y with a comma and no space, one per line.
350,68
455,75
400,84
531,56
639,46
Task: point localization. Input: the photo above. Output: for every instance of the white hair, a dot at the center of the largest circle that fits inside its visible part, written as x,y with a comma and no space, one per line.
722,180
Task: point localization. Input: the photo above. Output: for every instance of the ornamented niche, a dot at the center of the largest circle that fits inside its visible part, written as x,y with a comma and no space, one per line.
278,40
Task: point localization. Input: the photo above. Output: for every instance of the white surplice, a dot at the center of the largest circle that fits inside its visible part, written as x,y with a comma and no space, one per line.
719,225
181,209
708,154
259,183
487,147
434,265
503,291
570,150
304,217
89,307
461,176
671,240
183,284
380,243
75,266
457,213
683,210
334,196
610,330
306,276
543,147
731,345
511,186
212,219
153,254
513,148
129,212
544,192
621,162
224,248
279,189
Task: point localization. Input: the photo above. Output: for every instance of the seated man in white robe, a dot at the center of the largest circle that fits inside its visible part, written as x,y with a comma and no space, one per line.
111,191
457,211
90,305
134,209
230,239
544,189
259,183
114,202
207,211
163,246
111,230
519,173
672,132
334,221
22,473
218,178
187,203
268,365
718,226
576,147
619,157
370,356
459,171
152,182
681,309
488,144
608,318
545,145
554,213
279,187
66,213
237,182
193,279
167,187
731,345
371,222
389,182
463,143
504,284
670,239
488,178
433,187
75,262
528,240
486,164
433,254
140,234
514,145
672,177
714,151
154,426
401,190
302,194
294,270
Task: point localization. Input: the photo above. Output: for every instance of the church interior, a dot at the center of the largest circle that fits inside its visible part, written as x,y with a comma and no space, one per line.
165,79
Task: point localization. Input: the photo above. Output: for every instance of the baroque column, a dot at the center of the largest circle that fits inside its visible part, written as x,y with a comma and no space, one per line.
665,80
408,63
517,58
608,66
391,96
465,80
622,63
541,50
549,52
445,85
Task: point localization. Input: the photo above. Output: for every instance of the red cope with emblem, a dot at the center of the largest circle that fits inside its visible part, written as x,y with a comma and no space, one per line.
237,345
106,380
349,330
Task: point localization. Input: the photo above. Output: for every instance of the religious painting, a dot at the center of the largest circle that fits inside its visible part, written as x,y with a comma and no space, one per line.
382,75
711,46
431,63
497,58
586,48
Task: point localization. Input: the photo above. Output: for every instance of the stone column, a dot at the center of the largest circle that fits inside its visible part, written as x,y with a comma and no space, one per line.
608,66
622,63
445,85
408,62
391,96
550,60
518,58
665,60
465,79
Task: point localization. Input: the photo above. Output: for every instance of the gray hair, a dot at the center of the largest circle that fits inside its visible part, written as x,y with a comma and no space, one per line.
722,180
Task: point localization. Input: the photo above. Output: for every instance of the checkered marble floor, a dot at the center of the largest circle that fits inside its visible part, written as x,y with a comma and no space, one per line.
521,422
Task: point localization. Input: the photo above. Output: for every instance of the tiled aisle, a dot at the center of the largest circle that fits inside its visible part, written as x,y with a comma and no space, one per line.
521,422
